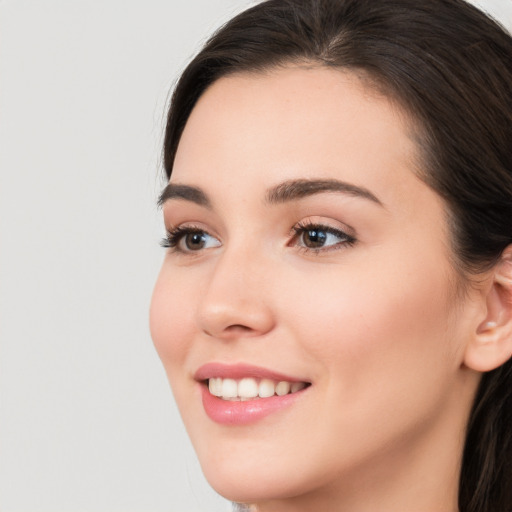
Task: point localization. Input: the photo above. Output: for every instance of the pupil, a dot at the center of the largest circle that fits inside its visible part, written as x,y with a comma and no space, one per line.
195,241
315,238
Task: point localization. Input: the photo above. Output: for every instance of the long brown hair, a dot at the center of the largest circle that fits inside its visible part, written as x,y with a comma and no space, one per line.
450,68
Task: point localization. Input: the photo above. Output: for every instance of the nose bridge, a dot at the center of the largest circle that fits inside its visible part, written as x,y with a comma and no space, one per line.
235,298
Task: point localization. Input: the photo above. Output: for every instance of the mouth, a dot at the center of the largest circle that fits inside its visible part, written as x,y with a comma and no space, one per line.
242,394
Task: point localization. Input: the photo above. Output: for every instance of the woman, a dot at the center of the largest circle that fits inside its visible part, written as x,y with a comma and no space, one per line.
334,311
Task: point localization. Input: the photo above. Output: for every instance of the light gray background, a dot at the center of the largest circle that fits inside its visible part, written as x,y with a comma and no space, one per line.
87,421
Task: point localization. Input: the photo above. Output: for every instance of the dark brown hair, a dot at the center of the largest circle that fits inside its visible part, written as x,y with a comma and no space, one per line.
450,68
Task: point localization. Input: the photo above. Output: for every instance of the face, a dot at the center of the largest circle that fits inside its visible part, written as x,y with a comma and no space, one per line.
310,266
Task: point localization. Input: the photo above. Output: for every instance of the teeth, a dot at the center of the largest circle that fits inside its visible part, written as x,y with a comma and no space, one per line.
283,388
250,389
215,386
247,388
267,388
229,388
297,386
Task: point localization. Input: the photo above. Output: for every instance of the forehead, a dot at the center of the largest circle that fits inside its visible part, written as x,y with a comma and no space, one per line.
314,122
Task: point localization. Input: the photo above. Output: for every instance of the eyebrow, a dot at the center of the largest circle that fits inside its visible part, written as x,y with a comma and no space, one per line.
186,192
298,189
287,191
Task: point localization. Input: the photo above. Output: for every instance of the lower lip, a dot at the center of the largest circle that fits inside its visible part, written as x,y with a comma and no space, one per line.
228,412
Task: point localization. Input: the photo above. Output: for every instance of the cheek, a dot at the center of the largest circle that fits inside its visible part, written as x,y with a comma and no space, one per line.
381,329
172,331
169,319
383,355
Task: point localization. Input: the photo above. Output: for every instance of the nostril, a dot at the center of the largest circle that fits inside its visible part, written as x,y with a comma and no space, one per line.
231,331
238,328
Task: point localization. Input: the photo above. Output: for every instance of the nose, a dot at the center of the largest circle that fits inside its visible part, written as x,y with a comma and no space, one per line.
236,300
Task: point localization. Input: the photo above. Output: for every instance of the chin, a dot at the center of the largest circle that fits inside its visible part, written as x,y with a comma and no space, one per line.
252,482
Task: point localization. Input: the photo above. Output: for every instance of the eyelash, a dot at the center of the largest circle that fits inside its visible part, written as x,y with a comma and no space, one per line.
175,235
303,227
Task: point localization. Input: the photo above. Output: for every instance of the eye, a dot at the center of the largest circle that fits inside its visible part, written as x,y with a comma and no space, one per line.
189,239
316,237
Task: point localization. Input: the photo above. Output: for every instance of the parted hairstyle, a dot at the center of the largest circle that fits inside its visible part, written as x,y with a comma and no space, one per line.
449,67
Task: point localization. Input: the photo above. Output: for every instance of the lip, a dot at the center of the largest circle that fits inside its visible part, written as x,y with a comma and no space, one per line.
239,371
227,412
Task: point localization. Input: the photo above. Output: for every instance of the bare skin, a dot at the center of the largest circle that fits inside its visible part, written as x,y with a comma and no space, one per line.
370,317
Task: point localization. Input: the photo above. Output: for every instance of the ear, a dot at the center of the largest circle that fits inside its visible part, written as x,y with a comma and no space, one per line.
491,345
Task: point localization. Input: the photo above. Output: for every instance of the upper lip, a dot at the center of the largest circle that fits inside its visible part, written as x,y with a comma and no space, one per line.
240,371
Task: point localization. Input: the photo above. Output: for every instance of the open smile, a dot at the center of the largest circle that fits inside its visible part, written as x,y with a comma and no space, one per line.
241,394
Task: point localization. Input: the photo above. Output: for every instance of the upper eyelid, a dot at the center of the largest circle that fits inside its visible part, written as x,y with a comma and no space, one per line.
342,233
182,229
321,227
188,225
328,225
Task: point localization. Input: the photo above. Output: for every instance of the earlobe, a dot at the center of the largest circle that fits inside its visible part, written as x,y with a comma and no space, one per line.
491,345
